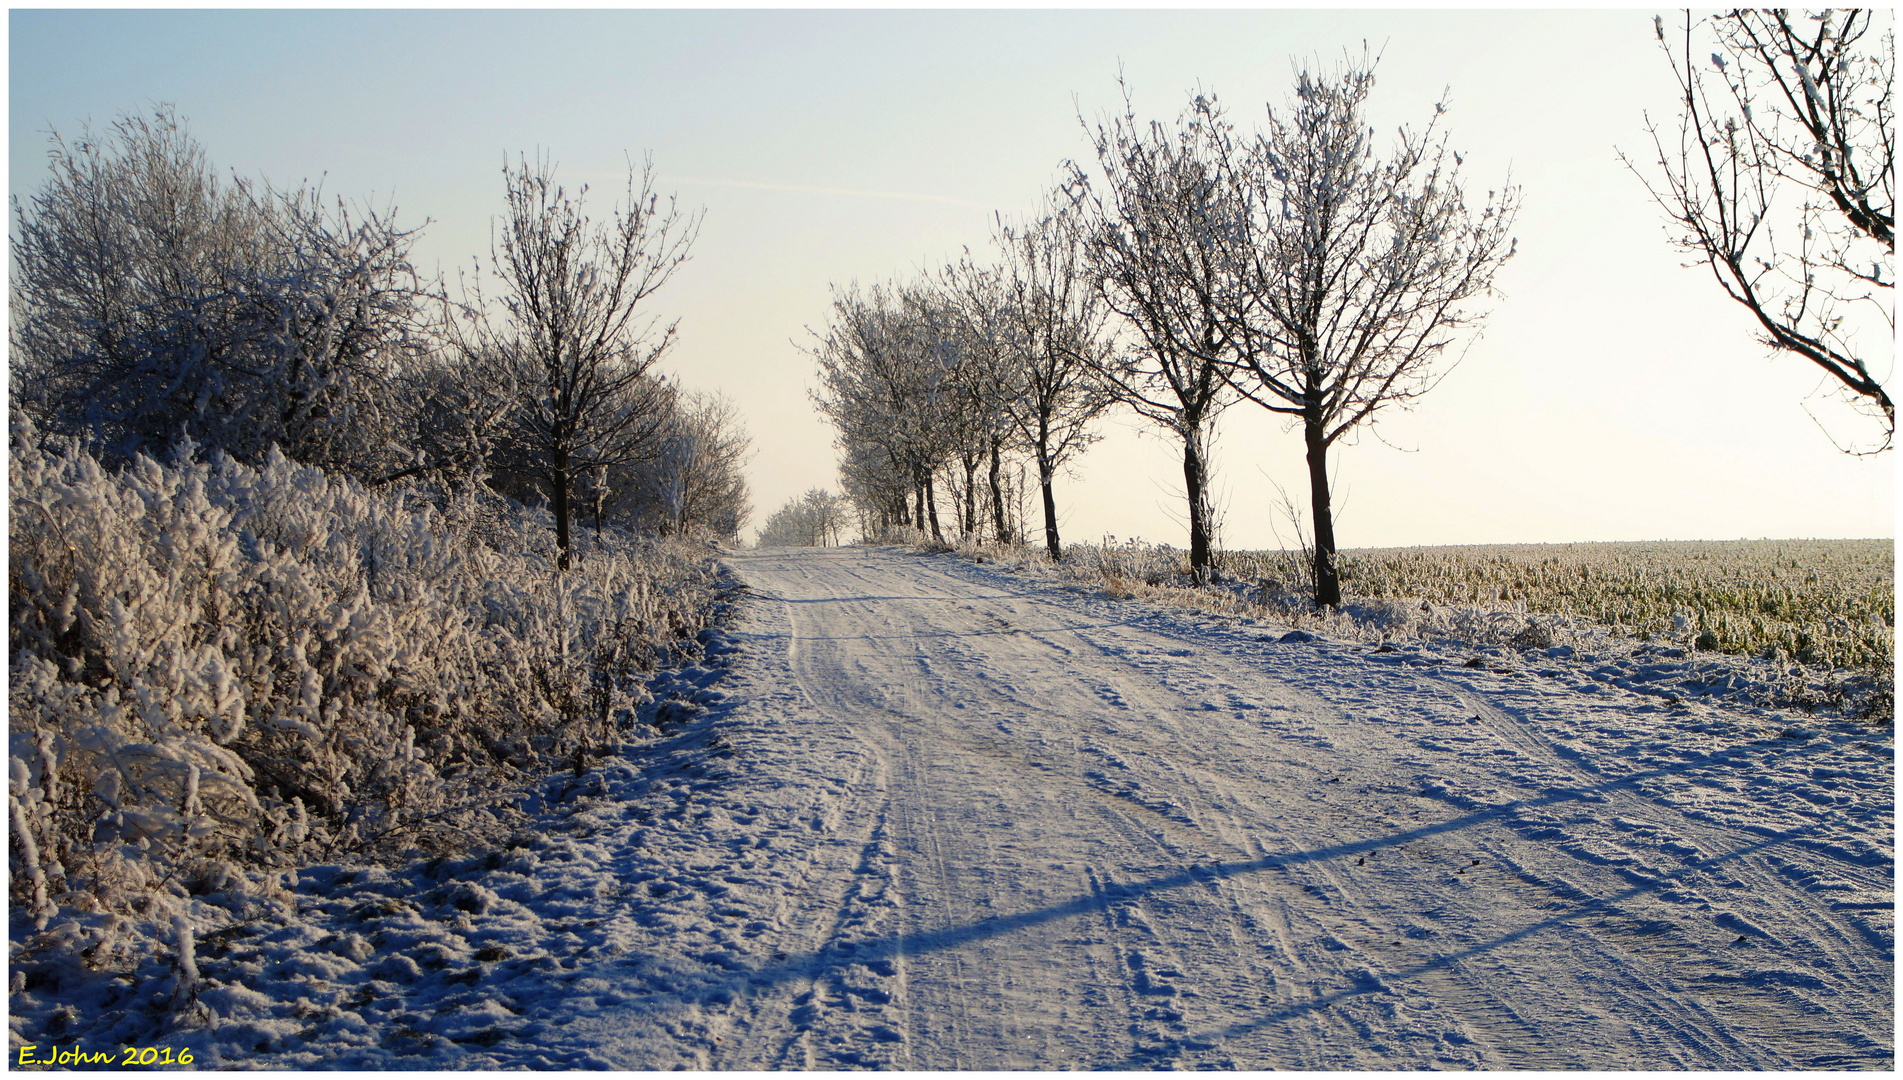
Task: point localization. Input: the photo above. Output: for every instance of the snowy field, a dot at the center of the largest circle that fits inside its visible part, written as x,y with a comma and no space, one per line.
923,814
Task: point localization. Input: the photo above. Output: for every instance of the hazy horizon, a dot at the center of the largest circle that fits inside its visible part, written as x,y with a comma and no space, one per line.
1616,396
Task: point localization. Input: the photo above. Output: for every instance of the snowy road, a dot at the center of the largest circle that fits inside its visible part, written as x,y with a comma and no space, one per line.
913,812
1087,834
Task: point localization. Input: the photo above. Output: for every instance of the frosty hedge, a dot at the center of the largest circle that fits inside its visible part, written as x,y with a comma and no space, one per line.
218,671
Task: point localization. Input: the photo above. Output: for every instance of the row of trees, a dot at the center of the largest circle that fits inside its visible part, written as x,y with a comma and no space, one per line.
954,375
1300,268
1197,266
815,519
155,303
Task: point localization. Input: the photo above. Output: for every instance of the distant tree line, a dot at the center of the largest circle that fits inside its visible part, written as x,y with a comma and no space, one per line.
815,519
1196,266
156,305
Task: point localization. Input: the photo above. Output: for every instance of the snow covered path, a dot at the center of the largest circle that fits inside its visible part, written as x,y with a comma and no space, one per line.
1089,834
918,813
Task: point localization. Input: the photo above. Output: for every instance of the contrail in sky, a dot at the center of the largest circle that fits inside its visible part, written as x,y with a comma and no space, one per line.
906,196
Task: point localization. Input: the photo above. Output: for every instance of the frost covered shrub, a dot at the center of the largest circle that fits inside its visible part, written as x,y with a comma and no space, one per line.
218,669
906,536
1133,560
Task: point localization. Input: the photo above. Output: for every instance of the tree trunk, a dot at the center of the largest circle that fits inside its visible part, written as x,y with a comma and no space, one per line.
1044,471
997,497
1196,483
969,525
931,508
918,506
600,484
558,482
1327,582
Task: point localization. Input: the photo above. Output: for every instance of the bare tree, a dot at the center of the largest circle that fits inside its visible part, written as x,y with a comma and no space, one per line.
1159,243
573,341
1359,272
1804,102
1054,343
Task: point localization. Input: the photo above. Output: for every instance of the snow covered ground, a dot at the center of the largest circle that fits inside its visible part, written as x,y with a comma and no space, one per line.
924,814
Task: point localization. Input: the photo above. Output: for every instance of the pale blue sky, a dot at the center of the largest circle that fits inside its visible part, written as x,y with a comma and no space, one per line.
1614,396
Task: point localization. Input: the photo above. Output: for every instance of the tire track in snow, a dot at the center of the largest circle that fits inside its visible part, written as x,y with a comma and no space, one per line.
1024,1023
1335,963
1705,1033
1756,979
1639,984
1153,705
1086,812
792,1024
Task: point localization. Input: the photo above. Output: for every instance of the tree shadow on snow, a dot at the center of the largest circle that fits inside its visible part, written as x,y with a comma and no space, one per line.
812,965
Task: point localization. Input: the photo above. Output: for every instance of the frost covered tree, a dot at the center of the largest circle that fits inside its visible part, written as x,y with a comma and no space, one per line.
814,519
456,417
153,302
971,415
994,379
928,382
1158,235
825,512
1049,342
1781,179
1357,271
949,406
570,337
863,392
894,379
696,483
